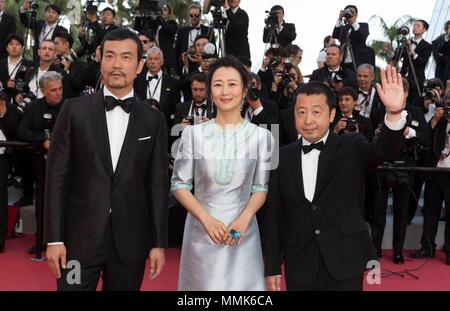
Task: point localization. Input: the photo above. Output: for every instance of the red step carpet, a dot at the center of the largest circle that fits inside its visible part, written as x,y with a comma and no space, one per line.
18,273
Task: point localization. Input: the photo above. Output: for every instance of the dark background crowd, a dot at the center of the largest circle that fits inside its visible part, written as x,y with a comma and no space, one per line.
174,82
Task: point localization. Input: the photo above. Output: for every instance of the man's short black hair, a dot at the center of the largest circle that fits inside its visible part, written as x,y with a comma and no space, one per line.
277,8
14,36
199,77
148,34
200,37
335,46
109,9
351,6
424,23
122,34
447,23
317,88
347,91
54,7
66,37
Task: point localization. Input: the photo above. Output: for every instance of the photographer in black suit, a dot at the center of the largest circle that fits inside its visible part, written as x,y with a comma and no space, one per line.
9,120
368,99
440,52
7,27
277,28
416,135
236,33
352,36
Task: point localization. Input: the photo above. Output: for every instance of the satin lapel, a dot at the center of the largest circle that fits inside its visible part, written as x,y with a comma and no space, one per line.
325,159
100,130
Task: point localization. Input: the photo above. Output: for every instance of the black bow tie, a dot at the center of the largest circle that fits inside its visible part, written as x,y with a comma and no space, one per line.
308,148
125,104
150,78
195,27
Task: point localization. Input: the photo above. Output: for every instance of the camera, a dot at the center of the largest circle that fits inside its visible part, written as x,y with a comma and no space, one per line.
48,125
352,125
70,57
194,119
253,92
404,31
275,61
34,5
271,19
428,87
149,8
348,14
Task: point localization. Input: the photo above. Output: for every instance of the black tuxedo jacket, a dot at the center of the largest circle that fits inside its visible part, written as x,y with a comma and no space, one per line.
268,116
236,35
288,131
7,26
439,136
4,72
38,26
439,56
285,37
322,74
357,39
81,187
182,42
183,110
423,50
332,225
170,93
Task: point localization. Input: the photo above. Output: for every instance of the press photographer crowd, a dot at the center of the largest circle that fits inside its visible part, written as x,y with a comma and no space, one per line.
174,81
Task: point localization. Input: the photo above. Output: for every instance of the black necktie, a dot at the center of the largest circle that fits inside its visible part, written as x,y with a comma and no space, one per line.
308,148
125,104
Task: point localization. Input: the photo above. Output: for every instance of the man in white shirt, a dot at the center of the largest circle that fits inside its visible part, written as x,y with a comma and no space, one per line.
107,183
312,208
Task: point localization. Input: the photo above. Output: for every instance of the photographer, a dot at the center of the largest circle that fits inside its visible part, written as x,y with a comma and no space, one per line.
8,26
416,136
419,52
369,101
277,31
69,65
332,73
352,36
9,120
295,53
327,41
440,52
13,67
347,120
43,29
236,33
187,35
437,186
286,79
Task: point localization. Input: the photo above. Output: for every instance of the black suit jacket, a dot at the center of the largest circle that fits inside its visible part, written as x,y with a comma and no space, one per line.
357,39
423,50
182,42
322,75
440,57
10,122
268,116
81,187
4,73
39,25
184,109
236,35
170,93
7,26
439,137
285,37
288,131
332,225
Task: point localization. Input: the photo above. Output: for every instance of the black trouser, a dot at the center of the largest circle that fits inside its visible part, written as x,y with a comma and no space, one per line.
116,275
437,190
5,162
23,166
325,282
400,193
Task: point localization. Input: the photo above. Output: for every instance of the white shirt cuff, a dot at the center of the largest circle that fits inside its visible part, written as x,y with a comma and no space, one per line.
411,133
356,26
56,243
263,69
338,23
22,10
258,111
396,126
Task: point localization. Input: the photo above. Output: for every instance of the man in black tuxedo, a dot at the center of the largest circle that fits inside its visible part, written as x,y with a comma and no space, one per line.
9,120
353,36
288,131
43,29
153,83
368,100
440,54
236,33
326,242
109,212
419,51
7,27
332,73
283,32
187,35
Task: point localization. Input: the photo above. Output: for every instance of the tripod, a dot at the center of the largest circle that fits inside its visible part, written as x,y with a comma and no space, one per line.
219,23
345,43
32,26
272,37
399,54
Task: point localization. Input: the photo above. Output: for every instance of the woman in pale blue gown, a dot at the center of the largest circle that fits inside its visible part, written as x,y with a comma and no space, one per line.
228,161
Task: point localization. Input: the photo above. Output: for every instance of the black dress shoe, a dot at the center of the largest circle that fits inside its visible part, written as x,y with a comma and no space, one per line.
379,253
424,252
398,258
32,250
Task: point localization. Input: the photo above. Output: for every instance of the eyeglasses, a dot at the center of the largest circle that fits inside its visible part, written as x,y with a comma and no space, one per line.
145,41
194,15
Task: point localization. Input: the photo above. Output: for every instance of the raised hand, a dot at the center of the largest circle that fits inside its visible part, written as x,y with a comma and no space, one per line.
391,90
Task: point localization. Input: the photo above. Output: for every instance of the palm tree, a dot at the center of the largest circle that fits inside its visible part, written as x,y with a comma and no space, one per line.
390,33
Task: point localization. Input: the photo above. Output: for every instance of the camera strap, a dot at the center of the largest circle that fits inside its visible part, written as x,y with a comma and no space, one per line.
152,95
13,72
44,34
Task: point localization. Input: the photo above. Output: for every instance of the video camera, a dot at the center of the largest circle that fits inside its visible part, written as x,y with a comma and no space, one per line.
352,125
149,8
348,14
271,20
429,86
403,31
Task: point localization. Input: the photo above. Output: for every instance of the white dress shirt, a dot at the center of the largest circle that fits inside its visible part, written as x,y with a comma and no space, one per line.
310,161
13,68
34,84
154,87
364,109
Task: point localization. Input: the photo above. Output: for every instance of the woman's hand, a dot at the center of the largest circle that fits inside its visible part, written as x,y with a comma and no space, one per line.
214,228
240,225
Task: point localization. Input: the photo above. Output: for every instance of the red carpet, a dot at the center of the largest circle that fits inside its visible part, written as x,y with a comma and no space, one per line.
17,272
